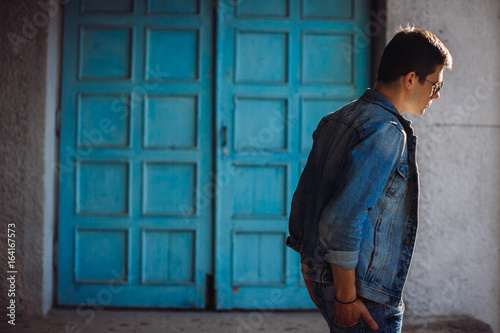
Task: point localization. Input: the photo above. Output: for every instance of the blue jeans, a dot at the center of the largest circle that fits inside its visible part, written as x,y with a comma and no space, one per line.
389,319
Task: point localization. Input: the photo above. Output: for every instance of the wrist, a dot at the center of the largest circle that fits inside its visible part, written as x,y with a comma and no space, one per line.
346,294
346,302
344,283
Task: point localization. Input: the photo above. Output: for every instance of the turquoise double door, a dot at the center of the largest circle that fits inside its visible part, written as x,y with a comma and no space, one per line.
185,125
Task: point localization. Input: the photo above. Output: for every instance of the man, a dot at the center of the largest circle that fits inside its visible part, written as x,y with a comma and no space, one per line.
354,212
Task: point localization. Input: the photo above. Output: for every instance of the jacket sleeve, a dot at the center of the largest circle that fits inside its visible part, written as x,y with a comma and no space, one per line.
296,223
367,170
297,220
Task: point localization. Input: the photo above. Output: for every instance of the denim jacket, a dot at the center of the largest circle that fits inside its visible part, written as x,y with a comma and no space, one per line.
356,202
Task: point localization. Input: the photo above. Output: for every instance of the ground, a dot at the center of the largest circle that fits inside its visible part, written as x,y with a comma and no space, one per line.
72,320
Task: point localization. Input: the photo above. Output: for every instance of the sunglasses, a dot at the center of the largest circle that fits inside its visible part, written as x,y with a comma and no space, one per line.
435,86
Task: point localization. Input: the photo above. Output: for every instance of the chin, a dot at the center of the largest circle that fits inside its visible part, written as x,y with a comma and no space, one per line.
417,112
421,112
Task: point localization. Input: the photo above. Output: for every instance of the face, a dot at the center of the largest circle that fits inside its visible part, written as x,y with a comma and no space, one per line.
421,98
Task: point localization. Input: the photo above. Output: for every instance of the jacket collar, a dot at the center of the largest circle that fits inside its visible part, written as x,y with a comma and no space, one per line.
375,97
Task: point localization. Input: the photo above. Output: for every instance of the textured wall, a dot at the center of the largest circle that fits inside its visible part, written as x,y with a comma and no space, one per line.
50,156
22,127
456,265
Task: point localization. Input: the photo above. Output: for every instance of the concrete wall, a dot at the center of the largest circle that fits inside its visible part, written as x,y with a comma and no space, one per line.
23,134
456,266
50,157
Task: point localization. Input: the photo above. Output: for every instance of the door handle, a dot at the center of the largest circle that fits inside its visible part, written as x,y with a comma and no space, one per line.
224,135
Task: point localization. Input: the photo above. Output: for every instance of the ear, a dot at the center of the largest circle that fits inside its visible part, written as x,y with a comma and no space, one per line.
410,80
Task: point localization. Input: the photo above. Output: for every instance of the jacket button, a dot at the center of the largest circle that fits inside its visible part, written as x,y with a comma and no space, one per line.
400,274
393,299
407,242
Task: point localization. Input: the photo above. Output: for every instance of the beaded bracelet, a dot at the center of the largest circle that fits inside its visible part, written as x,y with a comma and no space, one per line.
345,303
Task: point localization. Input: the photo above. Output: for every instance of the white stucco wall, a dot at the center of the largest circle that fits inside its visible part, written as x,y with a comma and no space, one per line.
456,265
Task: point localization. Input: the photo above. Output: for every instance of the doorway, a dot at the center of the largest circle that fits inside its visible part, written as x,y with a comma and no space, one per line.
184,129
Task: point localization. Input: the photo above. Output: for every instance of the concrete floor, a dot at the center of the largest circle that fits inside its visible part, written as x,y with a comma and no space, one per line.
137,321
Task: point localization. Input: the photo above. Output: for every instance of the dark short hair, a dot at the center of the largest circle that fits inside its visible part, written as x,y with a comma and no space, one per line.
412,49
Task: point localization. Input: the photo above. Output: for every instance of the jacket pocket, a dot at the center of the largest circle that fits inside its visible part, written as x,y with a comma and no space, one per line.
397,183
